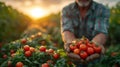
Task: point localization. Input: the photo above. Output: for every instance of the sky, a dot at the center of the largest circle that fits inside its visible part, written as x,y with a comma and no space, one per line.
50,6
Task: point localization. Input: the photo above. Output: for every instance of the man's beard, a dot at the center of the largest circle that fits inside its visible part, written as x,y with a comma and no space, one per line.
82,4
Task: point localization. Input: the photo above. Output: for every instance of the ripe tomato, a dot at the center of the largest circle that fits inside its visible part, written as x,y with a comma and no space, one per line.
97,49
32,49
90,44
77,51
51,51
79,43
32,36
26,48
19,64
90,50
28,53
83,47
45,65
42,48
56,55
84,39
4,56
12,51
24,41
72,47
83,54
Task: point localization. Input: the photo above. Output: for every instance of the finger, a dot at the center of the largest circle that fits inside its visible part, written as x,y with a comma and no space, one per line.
103,49
66,48
74,56
78,61
92,57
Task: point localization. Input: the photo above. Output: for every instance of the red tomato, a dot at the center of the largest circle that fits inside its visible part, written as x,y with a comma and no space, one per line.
32,49
91,44
77,51
85,40
19,64
83,55
42,48
97,49
24,41
51,51
28,53
4,56
26,48
72,47
45,65
90,50
79,43
83,47
12,51
56,55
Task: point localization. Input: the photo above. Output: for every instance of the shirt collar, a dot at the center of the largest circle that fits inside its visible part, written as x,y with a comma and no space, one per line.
75,5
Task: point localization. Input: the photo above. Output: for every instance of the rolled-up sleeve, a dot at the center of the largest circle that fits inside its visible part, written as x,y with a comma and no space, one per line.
66,21
102,22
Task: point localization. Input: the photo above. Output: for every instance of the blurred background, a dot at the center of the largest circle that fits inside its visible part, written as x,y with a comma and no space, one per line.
37,22
23,17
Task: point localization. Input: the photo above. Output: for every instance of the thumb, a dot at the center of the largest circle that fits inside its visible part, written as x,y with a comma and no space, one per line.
66,46
103,50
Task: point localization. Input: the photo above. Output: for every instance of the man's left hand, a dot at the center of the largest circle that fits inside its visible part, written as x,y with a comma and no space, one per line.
96,55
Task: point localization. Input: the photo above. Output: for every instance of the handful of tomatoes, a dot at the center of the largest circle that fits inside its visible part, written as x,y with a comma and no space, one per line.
84,48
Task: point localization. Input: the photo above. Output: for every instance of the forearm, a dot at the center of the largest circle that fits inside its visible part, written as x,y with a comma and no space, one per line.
68,37
100,39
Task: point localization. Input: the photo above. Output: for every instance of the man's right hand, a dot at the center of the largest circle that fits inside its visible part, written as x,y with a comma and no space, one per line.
73,57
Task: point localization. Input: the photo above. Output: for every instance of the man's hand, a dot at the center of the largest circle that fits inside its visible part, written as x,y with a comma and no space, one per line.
73,57
96,55
100,40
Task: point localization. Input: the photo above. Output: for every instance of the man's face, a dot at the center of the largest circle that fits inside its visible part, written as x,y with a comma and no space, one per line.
83,3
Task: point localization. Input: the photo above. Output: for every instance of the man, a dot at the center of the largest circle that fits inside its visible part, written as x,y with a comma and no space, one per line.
88,18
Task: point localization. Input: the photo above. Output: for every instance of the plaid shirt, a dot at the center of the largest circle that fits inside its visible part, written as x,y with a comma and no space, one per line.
96,20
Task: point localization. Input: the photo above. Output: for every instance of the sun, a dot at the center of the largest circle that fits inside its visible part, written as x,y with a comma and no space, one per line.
37,12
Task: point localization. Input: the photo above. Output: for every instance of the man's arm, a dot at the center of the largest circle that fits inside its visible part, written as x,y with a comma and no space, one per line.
100,39
68,37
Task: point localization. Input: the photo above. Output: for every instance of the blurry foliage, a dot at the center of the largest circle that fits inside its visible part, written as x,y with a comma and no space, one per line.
12,23
114,30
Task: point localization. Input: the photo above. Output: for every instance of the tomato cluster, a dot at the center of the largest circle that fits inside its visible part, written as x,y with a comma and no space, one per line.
84,48
29,50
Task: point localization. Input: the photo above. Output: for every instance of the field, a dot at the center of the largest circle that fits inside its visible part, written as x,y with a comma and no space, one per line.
44,42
